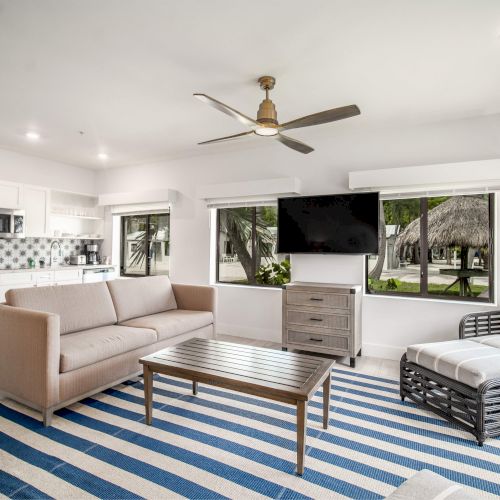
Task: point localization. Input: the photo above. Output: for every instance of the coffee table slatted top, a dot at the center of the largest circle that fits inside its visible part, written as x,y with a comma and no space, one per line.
258,370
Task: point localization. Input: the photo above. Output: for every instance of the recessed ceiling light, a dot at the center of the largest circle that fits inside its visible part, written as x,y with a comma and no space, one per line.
102,156
32,136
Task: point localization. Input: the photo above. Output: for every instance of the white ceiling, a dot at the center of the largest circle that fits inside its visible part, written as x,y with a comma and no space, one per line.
123,71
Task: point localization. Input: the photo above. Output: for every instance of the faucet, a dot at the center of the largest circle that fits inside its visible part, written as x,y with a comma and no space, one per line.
54,257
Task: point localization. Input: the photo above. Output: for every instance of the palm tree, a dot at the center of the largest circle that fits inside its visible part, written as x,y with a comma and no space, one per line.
238,224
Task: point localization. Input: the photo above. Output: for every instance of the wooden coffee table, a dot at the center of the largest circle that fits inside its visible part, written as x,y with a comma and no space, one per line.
281,376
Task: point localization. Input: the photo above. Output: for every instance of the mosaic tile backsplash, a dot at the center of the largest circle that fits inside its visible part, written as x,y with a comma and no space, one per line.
14,253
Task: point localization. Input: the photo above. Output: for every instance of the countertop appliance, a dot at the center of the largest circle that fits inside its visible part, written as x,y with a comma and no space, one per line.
12,223
101,274
91,251
77,260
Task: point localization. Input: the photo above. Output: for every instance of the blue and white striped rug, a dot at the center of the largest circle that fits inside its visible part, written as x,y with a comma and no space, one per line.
225,444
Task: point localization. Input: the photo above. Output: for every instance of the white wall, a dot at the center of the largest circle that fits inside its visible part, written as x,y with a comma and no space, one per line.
389,324
25,169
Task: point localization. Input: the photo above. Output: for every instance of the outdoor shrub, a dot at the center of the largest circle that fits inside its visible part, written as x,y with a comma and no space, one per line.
277,273
391,284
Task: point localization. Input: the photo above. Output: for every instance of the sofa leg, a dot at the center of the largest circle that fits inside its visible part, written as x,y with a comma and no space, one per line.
47,417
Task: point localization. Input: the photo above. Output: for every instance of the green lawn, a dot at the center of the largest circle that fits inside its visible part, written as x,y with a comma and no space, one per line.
405,287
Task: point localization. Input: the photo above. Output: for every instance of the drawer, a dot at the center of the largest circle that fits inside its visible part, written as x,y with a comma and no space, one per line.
15,278
319,320
68,275
314,339
43,277
318,299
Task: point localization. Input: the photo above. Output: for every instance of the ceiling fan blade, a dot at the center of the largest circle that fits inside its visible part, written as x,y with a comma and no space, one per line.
330,115
228,138
294,144
246,120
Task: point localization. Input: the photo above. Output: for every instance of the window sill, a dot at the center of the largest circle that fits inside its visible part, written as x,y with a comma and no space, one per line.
244,287
425,299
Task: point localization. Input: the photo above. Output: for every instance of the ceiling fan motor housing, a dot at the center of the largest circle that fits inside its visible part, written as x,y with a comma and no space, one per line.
267,112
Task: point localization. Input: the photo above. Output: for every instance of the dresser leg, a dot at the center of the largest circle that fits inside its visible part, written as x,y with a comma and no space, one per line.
353,363
284,348
359,353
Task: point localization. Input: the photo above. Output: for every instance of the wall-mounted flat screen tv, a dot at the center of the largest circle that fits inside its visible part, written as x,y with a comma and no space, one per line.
341,223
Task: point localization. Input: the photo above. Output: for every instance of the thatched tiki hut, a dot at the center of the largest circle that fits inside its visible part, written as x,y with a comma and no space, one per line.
459,221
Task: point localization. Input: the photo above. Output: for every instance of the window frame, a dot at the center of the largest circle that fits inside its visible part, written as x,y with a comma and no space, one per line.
424,292
147,240
254,243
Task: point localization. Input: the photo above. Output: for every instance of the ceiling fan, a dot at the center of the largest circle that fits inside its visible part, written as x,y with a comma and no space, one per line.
267,124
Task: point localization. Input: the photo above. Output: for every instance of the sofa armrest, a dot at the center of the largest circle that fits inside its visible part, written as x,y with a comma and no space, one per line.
195,297
29,355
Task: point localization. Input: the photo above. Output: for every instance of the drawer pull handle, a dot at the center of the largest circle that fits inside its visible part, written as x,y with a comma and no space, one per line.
316,340
315,319
314,298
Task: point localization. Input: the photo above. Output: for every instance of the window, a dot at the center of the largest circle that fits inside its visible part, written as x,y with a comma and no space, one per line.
246,247
436,247
145,245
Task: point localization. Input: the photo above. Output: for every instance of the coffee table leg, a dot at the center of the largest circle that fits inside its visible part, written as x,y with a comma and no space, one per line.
148,394
326,401
301,435
195,387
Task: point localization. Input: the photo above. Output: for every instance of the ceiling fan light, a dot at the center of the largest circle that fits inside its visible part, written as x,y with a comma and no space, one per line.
266,131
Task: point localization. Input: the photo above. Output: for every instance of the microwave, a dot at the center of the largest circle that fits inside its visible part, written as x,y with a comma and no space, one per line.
12,223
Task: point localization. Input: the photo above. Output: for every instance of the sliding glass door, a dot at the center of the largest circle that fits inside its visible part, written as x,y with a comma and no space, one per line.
145,245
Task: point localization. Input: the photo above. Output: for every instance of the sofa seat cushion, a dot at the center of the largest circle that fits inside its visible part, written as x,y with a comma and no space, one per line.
141,296
491,340
466,361
172,323
90,346
80,307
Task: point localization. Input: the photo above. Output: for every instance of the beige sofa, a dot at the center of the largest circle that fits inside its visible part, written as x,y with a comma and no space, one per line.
61,344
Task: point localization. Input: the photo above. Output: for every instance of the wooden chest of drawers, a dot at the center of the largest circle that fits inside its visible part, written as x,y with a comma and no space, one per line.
322,317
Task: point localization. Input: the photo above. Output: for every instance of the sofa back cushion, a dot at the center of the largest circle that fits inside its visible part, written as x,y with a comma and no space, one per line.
80,306
137,297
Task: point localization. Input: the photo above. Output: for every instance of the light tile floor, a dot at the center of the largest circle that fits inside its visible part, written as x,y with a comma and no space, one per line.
378,367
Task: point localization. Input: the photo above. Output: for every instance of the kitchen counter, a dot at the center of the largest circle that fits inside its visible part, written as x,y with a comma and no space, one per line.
63,267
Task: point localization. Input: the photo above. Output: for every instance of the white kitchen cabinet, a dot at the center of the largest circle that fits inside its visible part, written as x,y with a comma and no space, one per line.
68,277
16,278
10,195
36,203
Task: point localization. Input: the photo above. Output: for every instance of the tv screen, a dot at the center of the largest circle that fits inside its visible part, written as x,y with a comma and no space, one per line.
344,223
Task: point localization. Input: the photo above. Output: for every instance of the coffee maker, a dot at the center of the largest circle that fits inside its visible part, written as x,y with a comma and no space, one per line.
92,255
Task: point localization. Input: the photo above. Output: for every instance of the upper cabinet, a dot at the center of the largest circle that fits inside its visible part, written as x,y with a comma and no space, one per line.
36,203
10,195
51,213
76,215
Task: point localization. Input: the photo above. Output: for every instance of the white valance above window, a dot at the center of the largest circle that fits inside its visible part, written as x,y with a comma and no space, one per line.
248,194
430,180
240,202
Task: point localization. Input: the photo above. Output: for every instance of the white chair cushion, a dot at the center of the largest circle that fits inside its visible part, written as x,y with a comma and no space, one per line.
465,361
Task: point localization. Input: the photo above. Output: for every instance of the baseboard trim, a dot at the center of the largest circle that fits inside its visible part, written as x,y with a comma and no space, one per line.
383,351
267,335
